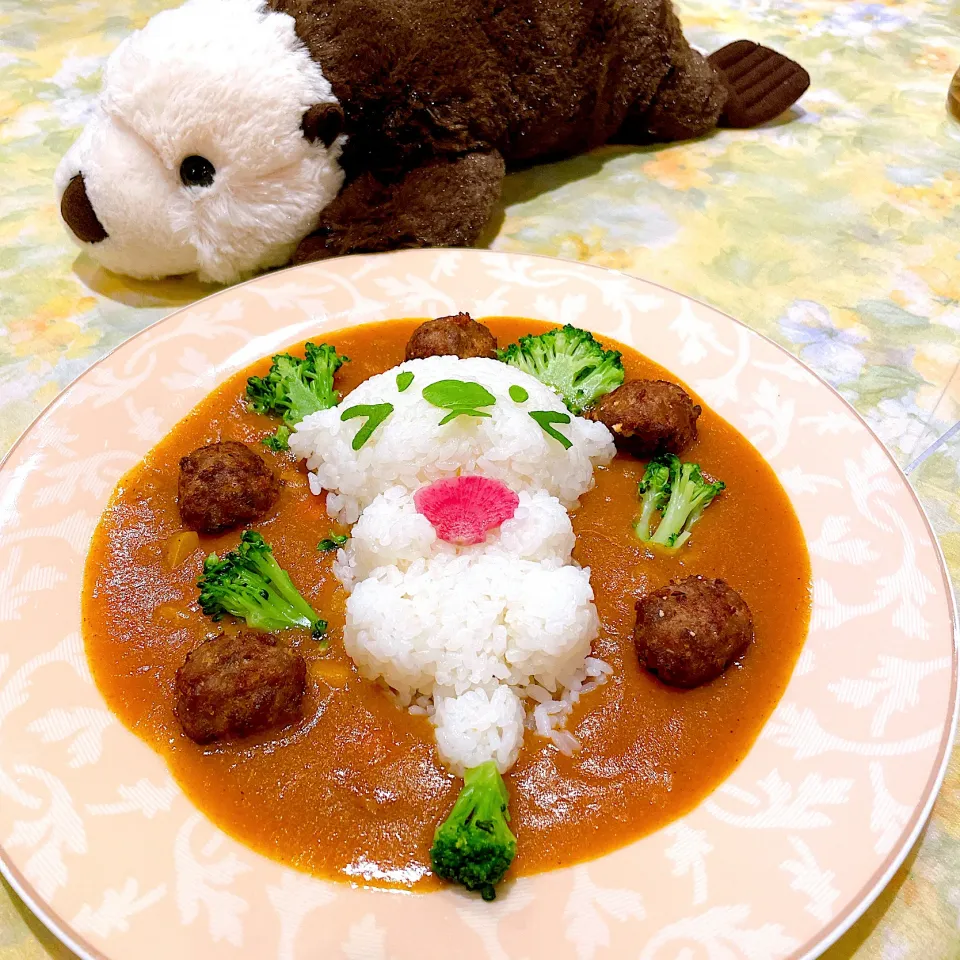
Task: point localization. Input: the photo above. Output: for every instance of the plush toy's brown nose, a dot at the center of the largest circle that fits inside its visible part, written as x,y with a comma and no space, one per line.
78,213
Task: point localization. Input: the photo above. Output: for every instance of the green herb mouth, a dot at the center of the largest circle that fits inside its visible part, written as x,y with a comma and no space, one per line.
462,398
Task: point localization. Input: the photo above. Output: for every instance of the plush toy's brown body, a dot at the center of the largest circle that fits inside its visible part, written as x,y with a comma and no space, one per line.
439,96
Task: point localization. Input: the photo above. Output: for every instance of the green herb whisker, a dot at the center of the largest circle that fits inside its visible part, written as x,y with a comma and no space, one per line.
546,419
375,413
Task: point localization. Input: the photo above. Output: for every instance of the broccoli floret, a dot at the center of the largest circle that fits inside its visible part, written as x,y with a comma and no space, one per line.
570,361
474,845
250,584
294,388
334,542
654,492
681,498
690,495
280,440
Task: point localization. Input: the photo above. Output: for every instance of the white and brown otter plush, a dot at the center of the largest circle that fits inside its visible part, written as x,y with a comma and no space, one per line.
234,135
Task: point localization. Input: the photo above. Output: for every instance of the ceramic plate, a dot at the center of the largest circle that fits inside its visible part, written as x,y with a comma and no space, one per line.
776,863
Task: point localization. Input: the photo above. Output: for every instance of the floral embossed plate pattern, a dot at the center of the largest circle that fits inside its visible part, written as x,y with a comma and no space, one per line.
776,863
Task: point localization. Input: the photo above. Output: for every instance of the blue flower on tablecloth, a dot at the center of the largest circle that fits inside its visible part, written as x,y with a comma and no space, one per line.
861,20
901,425
832,352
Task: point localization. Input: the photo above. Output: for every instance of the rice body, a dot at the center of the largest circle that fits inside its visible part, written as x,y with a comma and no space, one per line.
466,634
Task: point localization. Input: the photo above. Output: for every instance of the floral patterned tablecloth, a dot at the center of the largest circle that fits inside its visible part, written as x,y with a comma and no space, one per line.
835,231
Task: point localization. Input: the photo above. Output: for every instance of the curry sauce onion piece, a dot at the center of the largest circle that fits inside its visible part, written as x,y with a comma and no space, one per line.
180,546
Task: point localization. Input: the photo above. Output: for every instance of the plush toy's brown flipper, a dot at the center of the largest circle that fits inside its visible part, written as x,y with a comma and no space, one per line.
761,83
444,203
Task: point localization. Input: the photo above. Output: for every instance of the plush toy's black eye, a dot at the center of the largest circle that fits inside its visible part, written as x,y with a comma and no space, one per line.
197,172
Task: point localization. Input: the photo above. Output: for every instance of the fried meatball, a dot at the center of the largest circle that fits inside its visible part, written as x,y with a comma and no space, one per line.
458,336
234,686
689,632
647,417
224,484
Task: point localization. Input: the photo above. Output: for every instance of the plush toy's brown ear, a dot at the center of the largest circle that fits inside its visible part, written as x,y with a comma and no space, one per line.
323,121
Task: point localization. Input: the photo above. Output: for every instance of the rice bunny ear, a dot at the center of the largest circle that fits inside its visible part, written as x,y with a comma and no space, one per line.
324,122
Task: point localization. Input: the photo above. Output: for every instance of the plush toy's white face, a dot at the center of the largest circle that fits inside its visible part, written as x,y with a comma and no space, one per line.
213,148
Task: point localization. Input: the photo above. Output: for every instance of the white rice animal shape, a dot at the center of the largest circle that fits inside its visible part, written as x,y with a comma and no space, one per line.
464,597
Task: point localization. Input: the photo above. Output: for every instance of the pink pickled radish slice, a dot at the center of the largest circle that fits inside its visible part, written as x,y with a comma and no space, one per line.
463,509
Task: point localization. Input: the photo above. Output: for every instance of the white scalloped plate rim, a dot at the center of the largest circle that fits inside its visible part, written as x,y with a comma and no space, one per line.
829,931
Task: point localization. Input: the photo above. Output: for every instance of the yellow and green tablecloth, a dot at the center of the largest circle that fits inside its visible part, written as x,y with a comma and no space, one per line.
836,231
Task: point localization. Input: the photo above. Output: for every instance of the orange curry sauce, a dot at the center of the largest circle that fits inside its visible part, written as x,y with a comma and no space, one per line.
355,790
